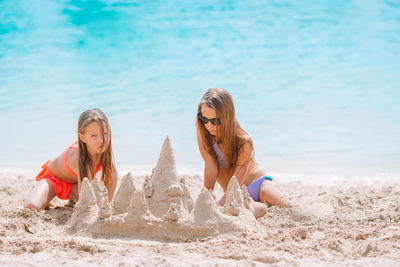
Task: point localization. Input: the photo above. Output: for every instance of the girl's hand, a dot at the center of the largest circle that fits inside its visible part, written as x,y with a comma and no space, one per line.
210,166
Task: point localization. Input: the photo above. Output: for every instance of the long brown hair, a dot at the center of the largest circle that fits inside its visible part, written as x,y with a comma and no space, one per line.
229,134
106,159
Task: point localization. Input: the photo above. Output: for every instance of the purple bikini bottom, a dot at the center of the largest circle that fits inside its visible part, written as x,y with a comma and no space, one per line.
254,187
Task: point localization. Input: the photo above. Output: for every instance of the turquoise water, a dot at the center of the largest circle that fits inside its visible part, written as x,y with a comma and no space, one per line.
315,83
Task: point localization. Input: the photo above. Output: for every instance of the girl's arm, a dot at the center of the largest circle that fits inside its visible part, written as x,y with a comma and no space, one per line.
210,166
210,174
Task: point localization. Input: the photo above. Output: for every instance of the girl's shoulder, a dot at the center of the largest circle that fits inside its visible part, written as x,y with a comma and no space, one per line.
74,145
245,140
72,151
72,156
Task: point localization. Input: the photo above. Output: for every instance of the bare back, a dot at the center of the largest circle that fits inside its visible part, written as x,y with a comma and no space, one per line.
59,170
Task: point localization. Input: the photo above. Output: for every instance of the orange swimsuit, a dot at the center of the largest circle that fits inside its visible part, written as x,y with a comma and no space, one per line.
62,188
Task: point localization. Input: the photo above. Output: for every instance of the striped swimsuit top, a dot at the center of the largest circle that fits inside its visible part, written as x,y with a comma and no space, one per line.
220,155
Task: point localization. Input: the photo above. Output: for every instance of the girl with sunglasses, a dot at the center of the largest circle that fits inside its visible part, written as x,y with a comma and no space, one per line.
227,150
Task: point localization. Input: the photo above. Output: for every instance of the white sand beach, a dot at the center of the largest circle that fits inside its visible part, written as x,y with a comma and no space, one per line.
348,224
329,225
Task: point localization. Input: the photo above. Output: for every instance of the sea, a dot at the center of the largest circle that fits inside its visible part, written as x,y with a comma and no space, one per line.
316,84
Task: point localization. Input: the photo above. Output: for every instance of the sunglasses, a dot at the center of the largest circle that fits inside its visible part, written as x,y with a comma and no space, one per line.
205,120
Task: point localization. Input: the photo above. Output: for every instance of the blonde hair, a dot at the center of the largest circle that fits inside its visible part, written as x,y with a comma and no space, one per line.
229,133
106,159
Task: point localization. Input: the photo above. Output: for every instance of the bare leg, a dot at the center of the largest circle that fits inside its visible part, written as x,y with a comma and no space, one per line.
258,209
74,191
40,195
269,194
73,196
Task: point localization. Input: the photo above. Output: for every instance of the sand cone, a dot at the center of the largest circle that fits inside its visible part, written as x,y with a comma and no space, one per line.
96,188
105,209
124,194
164,183
86,208
138,211
205,209
234,198
165,168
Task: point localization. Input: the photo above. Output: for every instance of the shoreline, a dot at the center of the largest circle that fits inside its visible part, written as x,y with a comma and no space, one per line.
282,176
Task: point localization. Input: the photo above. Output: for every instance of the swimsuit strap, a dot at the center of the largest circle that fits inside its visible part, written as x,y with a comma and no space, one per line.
68,169
64,160
98,168
218,151
220,155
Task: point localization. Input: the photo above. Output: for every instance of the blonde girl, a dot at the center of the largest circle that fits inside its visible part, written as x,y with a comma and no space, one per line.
92,153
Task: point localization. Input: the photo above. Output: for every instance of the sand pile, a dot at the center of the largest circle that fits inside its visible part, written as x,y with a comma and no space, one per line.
162,208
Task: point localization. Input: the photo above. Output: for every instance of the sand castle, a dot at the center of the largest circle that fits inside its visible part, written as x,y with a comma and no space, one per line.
162,209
